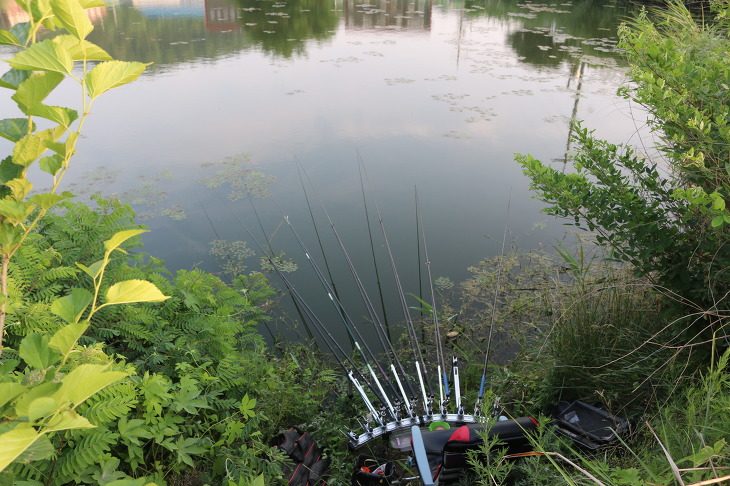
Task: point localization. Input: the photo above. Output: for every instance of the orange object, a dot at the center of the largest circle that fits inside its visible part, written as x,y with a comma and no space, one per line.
365,469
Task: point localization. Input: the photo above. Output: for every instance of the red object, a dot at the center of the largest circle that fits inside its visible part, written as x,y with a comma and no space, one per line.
462,433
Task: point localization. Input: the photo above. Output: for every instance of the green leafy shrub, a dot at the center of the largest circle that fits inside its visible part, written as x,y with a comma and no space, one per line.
667,218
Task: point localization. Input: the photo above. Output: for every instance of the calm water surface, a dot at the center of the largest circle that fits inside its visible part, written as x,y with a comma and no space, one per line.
436,96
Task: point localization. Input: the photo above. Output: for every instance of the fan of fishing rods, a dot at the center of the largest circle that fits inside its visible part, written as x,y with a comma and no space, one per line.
401,393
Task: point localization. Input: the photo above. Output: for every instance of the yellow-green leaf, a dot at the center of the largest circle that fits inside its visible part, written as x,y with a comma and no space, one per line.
33,89
43,56
15,212
68,420
28,149
8,39
66,338
71,16
15,442
49,199
84,381
19,188
92,270
81,50
41,407
40,449
10,390
130,291
112,74
120,237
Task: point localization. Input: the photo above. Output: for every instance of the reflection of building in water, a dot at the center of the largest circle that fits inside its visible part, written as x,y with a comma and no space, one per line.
387,14
222,15
158,8
11,14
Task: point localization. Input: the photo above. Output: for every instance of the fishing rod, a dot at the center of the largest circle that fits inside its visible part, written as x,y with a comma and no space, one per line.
377,323
444,392
418,356
348,323
316,230
329,340
375,261
477,405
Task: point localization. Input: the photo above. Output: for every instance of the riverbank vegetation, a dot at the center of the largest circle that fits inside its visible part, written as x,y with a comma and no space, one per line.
115,372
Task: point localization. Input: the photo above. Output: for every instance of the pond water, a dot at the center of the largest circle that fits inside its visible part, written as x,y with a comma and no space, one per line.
433,95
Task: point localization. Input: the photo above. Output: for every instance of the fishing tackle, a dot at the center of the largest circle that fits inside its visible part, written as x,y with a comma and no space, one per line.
478,404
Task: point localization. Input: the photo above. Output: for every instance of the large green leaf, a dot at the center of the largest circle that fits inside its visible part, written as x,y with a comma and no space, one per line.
13,78
120,237
34,89
15,442
71,16
10,234
34,350
29,148
112,74
15,212
51,164
14,129
44,56
49,199
81,50
21,31
31,93
59,114
70,307
40,449
84,381
8,391
41,407
7,38
130,291
65,149
9,170
66,338
68,420
22,404
19,188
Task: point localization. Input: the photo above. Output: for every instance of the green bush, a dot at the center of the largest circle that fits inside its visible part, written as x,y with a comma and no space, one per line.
667,218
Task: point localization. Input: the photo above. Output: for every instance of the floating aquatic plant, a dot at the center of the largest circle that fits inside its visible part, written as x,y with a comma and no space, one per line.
231,254
176,212
285,265
243,179
147,194
443,283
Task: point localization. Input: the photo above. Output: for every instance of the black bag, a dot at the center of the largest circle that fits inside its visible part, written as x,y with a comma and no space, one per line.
309,467
588,425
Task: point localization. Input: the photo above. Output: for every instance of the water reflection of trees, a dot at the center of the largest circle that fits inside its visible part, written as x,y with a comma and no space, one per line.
387,14
549,34
128,34
542,34
283,28
224,28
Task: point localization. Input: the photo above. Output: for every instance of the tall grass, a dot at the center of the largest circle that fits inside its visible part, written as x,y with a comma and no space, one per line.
600,334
